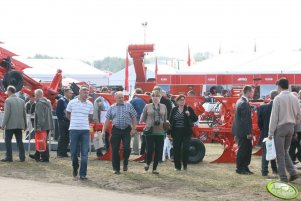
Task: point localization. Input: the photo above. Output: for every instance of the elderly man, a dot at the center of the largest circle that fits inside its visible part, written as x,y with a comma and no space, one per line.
286,114
80,113
100,108
123,116
42,122
13,122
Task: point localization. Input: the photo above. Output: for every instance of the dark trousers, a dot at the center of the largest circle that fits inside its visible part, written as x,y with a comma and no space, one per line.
244,153
63,141
181,144
295,145
265,163
154,143
45,154
8,137
143,145
119,135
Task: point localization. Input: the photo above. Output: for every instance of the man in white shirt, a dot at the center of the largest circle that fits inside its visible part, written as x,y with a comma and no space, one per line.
80,113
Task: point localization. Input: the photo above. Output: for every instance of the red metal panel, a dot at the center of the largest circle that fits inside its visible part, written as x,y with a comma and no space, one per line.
163,79
242,79
219,79
298,79
193,79
227,79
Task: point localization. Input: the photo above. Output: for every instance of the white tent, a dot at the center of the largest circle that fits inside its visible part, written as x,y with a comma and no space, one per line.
274,62
119,77
45,69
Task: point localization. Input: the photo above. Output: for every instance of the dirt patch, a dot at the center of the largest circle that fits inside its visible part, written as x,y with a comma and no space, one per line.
203,181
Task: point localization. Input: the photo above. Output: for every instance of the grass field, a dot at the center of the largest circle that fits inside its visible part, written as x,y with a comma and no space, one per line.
203,181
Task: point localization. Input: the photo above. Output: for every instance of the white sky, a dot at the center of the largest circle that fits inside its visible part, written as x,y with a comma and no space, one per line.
93,29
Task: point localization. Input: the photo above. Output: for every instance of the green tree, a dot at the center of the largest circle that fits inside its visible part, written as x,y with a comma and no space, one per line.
44,56
200,56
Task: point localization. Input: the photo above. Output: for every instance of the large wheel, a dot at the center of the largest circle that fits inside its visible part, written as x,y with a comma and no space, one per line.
196,151
14,78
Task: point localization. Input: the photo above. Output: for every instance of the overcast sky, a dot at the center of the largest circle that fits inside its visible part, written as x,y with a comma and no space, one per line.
93,29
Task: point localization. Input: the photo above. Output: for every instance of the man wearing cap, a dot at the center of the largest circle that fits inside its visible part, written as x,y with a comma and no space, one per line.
123,116
13,122
80,113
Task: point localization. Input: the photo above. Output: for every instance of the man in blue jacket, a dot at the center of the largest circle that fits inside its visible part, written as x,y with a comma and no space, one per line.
64,123
264,114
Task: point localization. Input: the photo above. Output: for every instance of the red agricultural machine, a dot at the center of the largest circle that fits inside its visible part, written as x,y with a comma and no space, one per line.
11,73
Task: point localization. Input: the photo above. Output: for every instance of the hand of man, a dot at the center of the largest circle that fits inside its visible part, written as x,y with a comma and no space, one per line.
39,129
249,136
133,132
270,137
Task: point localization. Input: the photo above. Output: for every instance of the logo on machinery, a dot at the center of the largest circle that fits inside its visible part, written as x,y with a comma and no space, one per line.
242,79
282,190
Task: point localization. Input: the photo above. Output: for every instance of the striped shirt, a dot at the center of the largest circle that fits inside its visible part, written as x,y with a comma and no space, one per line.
179,119
79,114
121,115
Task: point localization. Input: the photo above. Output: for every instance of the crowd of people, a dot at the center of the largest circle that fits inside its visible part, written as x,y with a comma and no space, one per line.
280,120
168,123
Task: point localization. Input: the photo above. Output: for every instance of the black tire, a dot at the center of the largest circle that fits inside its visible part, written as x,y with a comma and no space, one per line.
14,78
197,151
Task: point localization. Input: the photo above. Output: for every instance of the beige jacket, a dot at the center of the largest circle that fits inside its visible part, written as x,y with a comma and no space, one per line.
148,117
286,110
14,113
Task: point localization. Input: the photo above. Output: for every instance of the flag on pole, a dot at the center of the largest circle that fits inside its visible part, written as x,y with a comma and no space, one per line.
188,59
156,69
126,76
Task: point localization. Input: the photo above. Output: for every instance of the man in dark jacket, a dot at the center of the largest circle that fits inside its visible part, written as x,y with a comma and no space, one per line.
242,130
264,114
64,123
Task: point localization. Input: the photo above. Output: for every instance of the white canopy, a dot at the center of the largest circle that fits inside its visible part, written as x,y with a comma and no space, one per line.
286,62
45,69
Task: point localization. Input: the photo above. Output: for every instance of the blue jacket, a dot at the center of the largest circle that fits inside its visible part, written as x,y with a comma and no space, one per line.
60,109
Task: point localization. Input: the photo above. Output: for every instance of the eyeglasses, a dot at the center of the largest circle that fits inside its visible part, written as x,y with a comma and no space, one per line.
181,99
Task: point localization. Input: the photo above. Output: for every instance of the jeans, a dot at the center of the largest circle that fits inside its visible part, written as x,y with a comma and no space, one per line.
136,143
265,163
79,138
154,143
8,137
117,136
63,141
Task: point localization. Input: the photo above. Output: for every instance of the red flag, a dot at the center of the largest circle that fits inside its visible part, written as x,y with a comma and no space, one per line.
156,69
188,59
126,81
